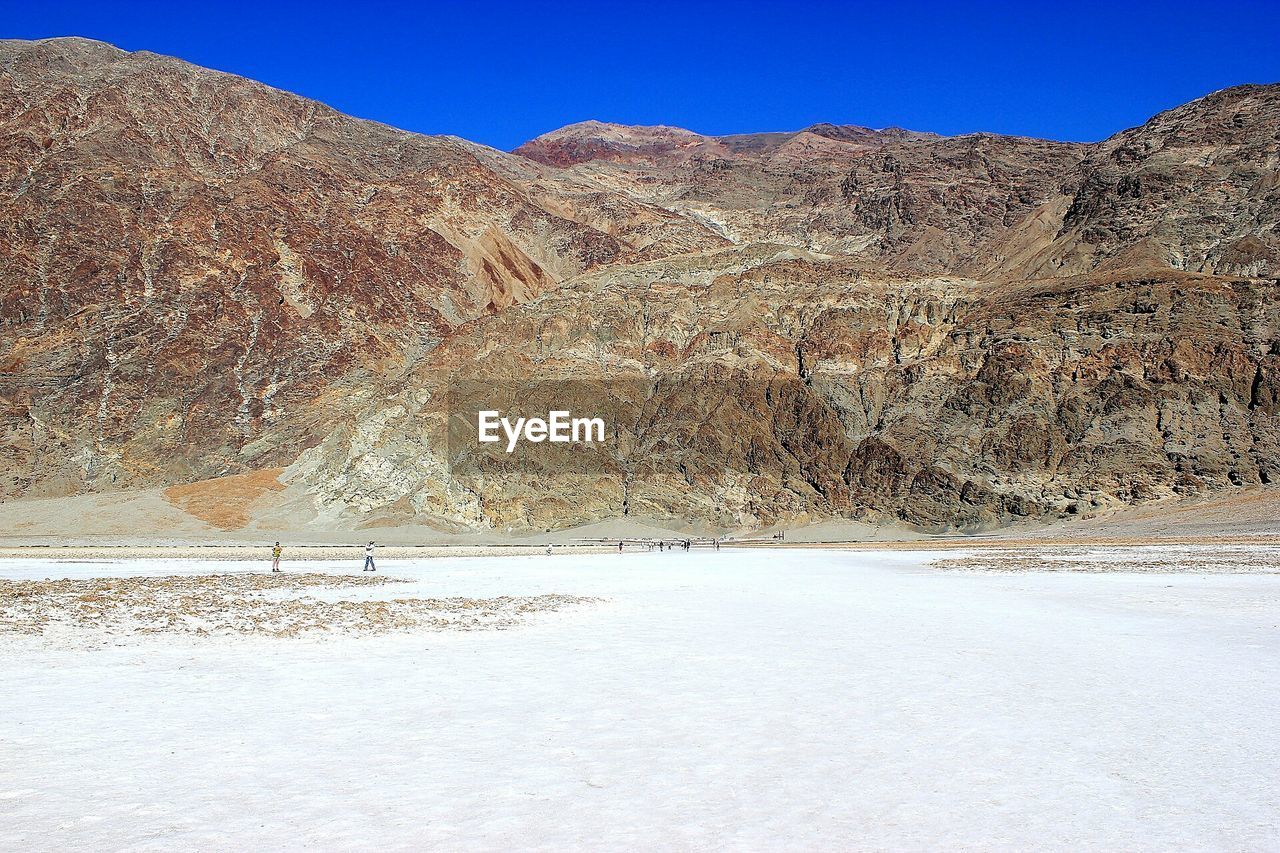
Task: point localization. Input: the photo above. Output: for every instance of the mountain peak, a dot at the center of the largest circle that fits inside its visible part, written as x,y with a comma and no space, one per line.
67,54
598,140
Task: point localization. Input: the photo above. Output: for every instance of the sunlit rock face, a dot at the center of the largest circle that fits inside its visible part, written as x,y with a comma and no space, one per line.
204,276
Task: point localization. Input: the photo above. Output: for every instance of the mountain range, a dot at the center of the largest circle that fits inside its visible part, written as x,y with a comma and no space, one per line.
239,298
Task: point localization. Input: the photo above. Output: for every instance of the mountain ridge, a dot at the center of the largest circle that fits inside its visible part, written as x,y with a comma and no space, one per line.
205,276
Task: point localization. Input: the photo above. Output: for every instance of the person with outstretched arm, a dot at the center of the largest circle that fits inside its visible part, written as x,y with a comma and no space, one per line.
368,558
275,558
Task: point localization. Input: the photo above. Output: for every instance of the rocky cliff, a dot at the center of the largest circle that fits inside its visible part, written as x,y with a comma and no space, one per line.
202,276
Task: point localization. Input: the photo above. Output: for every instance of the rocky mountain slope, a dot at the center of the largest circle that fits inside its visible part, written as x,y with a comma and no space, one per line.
203,277
909,202
195,266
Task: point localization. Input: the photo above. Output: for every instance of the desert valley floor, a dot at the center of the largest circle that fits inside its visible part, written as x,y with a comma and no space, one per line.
746,699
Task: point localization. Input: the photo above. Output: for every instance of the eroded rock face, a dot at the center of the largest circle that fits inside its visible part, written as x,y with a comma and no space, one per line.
196,268
940,403
203,276
914,202
1195,188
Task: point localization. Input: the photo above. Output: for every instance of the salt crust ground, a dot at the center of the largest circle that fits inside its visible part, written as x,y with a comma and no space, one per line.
1220,558
741,700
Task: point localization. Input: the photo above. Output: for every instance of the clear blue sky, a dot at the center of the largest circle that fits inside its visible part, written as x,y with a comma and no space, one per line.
501,72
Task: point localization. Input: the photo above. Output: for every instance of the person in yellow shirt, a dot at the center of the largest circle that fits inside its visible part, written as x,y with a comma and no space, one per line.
275,558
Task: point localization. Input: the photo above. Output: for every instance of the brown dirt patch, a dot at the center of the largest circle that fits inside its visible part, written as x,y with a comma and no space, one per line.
224,501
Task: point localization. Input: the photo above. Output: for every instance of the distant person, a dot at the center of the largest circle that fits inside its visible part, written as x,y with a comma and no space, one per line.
717,543
662,546
275,558
619,546
368,558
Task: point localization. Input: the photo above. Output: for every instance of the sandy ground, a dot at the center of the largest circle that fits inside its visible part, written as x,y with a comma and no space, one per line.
256,508
241,515
1238,514
749,700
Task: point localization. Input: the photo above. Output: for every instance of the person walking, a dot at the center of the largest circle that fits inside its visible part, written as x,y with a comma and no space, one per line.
275,558
368,558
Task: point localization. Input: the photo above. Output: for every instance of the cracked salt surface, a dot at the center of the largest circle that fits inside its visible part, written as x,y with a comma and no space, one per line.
275,604
743,700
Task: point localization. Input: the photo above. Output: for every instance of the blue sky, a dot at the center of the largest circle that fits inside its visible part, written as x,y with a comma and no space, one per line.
502,72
